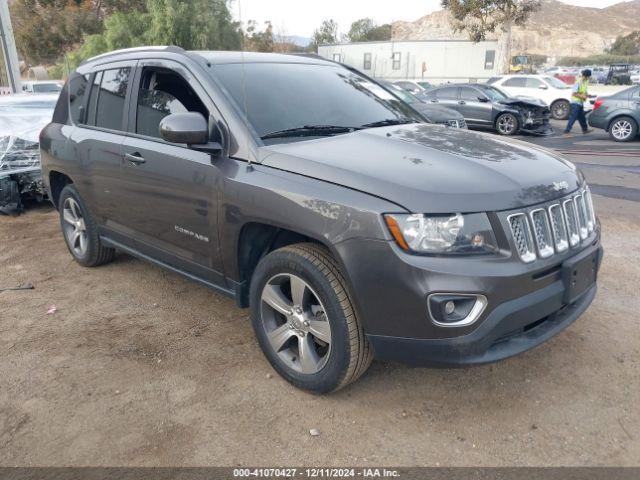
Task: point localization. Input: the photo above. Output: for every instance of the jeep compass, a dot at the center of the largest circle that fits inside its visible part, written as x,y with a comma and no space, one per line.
315,197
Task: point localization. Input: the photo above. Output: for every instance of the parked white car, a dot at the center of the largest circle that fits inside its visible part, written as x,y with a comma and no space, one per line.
552,91
42,86
413,87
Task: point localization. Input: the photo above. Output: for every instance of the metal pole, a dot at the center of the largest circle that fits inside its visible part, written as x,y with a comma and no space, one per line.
8,45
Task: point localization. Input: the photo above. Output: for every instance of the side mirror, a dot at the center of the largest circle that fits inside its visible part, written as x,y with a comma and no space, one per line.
190,128
483,99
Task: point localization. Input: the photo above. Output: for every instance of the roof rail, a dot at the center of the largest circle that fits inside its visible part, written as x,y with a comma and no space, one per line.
159,48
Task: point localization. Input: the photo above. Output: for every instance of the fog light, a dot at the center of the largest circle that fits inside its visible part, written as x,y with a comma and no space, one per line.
455,309
449,307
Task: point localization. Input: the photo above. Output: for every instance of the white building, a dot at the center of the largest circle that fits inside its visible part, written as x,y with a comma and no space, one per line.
436,61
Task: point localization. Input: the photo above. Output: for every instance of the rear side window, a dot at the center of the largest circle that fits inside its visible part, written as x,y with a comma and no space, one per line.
92,107
450,93
78,88
514,82
113,90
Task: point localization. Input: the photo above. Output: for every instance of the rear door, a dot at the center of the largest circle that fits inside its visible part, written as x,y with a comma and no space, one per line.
97,139
449,97
170,190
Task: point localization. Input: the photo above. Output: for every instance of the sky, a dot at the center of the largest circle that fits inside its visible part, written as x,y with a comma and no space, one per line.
302,17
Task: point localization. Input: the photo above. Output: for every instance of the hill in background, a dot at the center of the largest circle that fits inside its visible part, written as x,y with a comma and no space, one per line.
556,29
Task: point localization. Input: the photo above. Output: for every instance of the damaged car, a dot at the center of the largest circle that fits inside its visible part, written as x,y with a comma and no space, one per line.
22,117
433,113
484,106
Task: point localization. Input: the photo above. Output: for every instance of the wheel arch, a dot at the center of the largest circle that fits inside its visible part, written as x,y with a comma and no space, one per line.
258,239
57,182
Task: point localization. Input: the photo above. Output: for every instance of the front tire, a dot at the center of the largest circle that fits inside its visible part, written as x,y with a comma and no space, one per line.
305,321
507,124
560,109
80,231
623,129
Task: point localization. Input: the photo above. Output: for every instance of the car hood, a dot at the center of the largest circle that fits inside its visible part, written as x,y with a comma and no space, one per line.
437,113
523,101
430,168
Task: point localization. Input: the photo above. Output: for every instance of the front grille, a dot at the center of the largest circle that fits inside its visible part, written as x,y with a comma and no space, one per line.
522,237
542,232
553,228
457,123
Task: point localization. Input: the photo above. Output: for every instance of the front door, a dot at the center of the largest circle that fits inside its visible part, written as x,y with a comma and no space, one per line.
476,112
170,190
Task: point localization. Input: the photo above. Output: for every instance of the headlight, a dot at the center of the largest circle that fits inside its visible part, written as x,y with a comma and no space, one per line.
443,234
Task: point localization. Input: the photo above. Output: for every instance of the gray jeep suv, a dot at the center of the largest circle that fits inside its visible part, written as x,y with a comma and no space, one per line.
351,228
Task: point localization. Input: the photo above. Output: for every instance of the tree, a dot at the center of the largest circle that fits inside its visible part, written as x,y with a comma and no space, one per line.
43,29
259,41
193,24
365,30
627,44
479,18
327,33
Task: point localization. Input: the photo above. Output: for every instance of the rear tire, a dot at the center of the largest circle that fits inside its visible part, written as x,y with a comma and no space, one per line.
80,231
507,124
560,109
623,129
305,321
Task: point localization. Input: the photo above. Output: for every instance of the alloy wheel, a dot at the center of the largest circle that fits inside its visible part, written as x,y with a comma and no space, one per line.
560,110
621,129
296,323
74,227
506,124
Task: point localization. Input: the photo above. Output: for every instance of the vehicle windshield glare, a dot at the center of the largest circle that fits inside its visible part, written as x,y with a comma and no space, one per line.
556,83
287,96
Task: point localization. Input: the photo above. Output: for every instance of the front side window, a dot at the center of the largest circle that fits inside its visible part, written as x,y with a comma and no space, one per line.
293,95
556,83
532,82
516,82
78,87
367,61
397,59
161,93
109,98
469,94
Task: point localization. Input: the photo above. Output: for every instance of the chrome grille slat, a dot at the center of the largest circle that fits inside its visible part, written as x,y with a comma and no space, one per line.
591,221
572,222
582,216
522,237
554,227
542,233
559,228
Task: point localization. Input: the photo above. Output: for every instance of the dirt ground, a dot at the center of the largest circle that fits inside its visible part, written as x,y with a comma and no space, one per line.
139,366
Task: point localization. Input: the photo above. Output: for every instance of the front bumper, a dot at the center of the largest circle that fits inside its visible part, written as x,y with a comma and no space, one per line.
526,302
512,328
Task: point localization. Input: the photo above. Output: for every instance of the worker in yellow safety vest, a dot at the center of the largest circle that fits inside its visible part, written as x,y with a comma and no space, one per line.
578,97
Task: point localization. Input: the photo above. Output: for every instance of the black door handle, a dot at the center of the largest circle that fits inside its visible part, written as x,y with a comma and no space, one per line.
134,158
462,102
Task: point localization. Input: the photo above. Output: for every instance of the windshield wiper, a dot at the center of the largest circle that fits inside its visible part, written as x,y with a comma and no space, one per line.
388,122
309,131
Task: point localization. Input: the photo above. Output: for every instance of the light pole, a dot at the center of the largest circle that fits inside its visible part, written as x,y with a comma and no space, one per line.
8,47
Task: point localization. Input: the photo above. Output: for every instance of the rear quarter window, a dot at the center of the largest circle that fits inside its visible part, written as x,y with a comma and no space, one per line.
77,89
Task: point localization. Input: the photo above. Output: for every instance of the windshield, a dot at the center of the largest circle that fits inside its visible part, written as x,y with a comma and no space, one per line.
46,87
494,94
556,83
287,96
